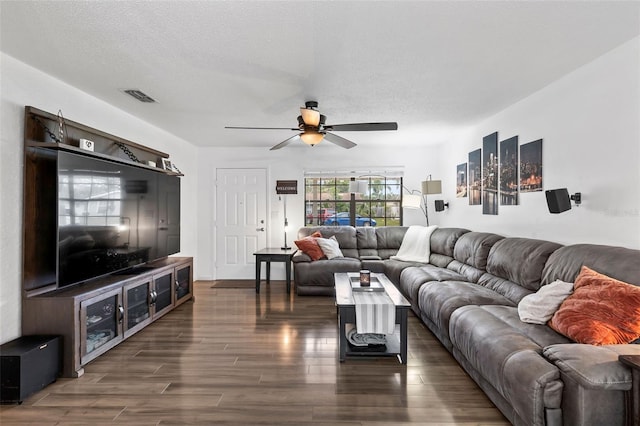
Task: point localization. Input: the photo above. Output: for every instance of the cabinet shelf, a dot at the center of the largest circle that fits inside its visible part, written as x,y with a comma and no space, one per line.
106,146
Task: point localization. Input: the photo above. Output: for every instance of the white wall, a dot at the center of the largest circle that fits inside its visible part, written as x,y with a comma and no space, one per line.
590,125
23,85
288,164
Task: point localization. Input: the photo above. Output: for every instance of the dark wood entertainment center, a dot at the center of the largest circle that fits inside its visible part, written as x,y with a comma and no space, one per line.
95,314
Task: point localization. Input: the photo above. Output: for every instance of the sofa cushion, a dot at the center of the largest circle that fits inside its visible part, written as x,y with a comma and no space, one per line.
389,239
470,254
601,311
346,236
498,346
310,247
412,278
330,247
520,260
539,307
443,240
473,248
366,241
438,300
617,262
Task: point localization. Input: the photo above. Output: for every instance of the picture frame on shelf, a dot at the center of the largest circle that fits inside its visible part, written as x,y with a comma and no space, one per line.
166,164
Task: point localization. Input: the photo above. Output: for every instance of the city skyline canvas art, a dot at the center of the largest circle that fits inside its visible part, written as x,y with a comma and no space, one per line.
509,172
490,174
531,166
475,177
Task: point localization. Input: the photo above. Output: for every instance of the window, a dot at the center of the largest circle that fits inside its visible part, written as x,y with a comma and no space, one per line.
89,200
329,202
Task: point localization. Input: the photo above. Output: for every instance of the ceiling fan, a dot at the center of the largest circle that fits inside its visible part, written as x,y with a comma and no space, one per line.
313,129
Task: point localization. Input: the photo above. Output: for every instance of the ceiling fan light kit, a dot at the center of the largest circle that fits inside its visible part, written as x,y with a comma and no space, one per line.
312,125
311,137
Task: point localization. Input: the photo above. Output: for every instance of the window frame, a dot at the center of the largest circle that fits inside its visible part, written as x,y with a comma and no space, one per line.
331,196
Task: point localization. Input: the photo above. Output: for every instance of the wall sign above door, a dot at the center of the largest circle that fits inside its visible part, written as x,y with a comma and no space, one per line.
286,187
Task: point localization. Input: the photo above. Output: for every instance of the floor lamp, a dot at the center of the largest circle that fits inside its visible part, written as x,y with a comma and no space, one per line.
284,187
286,223
430,187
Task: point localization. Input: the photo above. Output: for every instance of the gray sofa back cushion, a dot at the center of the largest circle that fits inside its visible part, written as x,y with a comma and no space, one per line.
389,239
617,262
520,260
473,248
471,252
514,266
443,241
346,236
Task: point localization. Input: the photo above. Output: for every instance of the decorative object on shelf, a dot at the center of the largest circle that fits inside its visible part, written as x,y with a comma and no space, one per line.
531,166
284,187
175,168
509,171
46,129
151,163
490,174
127,151
461,180
86,144
475,178
559,200
61,126
166,164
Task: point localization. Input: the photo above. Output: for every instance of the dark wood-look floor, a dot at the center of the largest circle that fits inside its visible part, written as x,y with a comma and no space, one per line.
234,357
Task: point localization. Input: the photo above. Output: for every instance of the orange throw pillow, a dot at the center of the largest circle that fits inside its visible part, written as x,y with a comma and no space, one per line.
310,246
601,311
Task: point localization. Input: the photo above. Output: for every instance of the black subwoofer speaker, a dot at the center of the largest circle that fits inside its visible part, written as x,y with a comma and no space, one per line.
558,200
27,365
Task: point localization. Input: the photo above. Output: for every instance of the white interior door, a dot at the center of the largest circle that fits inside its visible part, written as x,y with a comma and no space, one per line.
241,216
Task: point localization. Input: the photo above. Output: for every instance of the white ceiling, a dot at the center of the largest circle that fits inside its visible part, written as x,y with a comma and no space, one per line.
430,66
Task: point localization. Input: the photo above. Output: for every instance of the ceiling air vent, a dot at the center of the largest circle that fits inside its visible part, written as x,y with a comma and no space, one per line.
139,95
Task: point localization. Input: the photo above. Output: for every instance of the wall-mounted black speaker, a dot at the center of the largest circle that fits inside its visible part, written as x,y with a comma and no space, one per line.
440,205
558,200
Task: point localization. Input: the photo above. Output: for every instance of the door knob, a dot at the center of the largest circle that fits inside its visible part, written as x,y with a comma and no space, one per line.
260,229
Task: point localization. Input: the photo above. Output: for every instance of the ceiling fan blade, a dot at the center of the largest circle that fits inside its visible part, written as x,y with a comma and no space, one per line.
361,127
262,128
339,140
285,142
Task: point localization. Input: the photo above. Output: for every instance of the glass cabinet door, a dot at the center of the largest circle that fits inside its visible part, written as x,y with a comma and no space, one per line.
164,290
183,283
138,298
101,323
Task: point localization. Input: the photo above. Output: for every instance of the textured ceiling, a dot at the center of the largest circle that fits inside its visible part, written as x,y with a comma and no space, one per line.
430,66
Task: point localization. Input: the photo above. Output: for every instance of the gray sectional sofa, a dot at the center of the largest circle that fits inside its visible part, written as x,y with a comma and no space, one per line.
468,294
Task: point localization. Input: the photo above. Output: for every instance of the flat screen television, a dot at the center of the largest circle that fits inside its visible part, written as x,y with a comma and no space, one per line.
96,217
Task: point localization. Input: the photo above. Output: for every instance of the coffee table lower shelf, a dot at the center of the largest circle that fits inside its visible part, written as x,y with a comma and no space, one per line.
393,347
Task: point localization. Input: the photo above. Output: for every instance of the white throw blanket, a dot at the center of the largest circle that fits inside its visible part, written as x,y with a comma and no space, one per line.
416,244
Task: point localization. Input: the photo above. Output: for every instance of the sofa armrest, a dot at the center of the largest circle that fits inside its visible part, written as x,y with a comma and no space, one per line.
593,367
300,257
